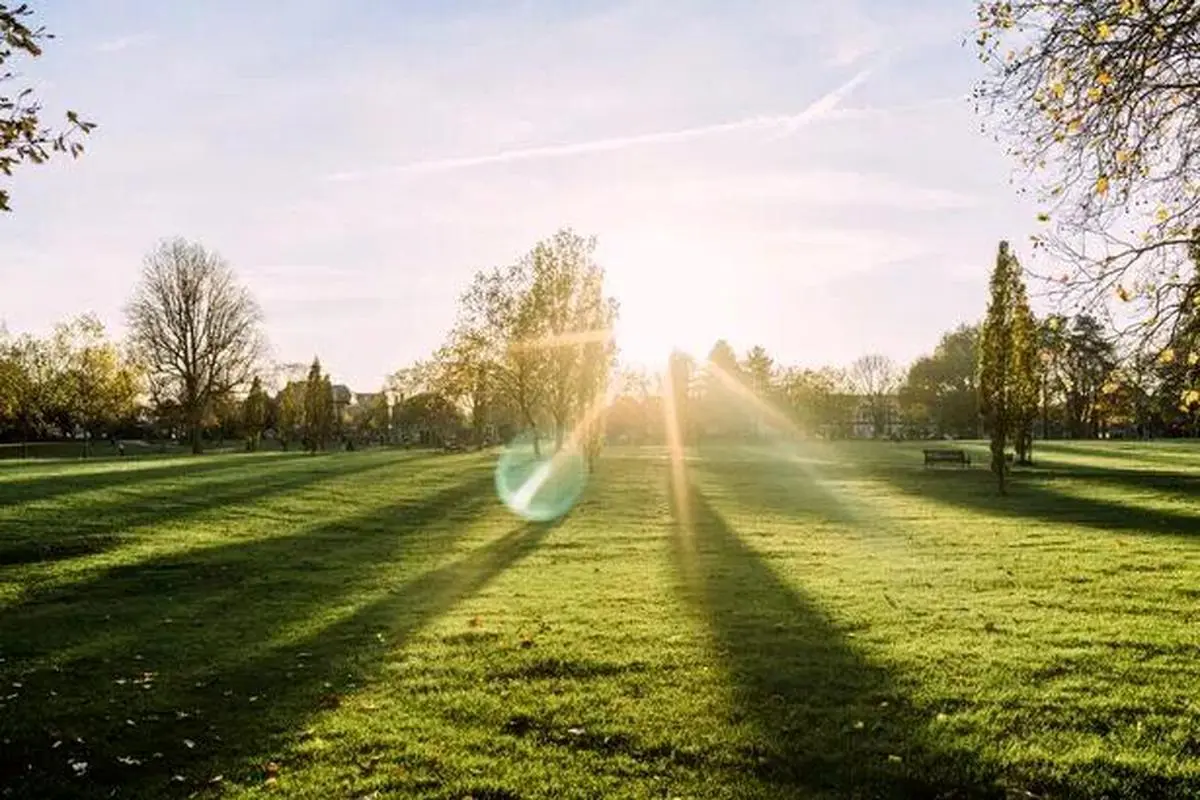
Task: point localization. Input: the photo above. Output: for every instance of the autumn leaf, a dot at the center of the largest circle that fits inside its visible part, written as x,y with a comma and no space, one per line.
1043,217
1102,185
1123,293
1167,356
1104,79
1162,214
1103,32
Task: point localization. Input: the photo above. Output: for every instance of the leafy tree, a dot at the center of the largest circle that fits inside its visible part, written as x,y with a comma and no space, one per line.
254,413
37,388
195,330
1101,102
541,330
429,416
100,385
996,360
22,135
717,407
291,412
939,391
812,398
1086,365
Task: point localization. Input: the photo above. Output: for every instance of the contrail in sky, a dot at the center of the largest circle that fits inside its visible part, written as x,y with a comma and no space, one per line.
789,123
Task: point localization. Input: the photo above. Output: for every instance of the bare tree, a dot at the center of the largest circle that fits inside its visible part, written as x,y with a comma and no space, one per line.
875,378
194,329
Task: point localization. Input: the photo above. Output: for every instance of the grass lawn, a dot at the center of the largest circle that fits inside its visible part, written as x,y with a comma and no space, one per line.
777,621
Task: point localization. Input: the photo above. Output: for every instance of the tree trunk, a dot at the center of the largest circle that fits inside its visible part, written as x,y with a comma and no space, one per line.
999,466
194,434
25,438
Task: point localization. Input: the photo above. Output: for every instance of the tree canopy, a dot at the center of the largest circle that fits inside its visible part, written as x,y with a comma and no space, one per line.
1100,101
23,136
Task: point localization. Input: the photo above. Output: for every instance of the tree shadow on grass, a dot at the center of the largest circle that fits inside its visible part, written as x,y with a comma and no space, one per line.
61,532
16,487
228,648
1033,494
827,720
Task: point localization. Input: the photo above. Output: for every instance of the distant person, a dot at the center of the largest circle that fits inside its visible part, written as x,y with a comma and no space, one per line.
120,448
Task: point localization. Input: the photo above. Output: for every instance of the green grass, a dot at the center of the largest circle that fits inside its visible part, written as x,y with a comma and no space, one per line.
788,621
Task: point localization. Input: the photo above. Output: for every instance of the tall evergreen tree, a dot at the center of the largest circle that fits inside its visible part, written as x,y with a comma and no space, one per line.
254,413
314,407
996,402
1025,378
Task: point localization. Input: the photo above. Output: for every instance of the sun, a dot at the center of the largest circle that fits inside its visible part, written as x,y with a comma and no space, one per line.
646,341
670,299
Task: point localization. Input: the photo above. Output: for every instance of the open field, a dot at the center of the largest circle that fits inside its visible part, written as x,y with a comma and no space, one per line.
781,621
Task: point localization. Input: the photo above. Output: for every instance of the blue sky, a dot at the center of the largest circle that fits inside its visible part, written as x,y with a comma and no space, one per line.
804,175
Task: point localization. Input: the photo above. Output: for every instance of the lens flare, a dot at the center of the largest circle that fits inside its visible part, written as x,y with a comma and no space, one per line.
540,484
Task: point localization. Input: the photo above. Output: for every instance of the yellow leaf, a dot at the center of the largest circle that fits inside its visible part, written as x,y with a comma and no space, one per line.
1123,293
1102,185
1058,89
1167,356
1094,92
1104,79
1162,214
1123,156
1193,358
1074,125
1103,32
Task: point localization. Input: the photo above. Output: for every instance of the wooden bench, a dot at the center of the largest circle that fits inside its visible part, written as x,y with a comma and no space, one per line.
947,457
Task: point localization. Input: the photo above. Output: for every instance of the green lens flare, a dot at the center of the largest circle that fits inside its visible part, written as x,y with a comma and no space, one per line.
540,486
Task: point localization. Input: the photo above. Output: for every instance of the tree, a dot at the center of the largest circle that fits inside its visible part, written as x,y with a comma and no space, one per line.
718,408
194,328
291,413
542,330
1103,100
999,401
317,409
1026,372
939,390
100,384
428,417
36,385
680,369
875,378
254,413
22,136
1085,367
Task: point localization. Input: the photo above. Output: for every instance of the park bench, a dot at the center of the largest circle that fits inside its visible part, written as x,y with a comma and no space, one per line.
947,456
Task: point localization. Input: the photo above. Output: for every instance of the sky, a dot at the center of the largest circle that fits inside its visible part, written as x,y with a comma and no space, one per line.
806,175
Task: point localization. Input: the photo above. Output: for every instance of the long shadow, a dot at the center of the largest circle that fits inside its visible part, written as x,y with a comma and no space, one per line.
828,721
57,533
18,488
1032,494
182,665
772,481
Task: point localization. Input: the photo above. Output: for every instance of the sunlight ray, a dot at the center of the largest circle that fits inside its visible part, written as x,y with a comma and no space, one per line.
678,475
567,339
